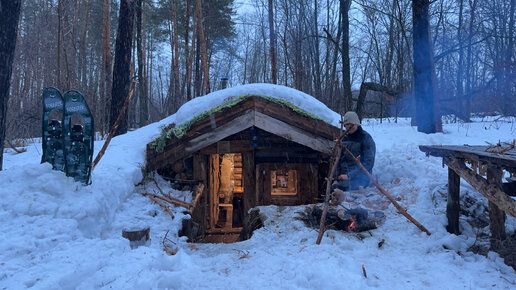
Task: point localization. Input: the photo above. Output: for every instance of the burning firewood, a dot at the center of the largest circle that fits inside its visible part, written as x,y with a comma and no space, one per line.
349,220
388,195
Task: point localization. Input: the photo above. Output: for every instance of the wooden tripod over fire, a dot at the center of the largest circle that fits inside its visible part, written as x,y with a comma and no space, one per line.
337,151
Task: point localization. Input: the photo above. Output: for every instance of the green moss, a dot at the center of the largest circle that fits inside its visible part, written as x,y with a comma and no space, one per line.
159,143
293,107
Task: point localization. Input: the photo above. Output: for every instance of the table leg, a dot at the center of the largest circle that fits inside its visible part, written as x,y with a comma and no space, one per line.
496,215
453,205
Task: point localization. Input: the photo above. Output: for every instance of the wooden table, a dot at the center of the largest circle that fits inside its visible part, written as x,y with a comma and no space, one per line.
495,159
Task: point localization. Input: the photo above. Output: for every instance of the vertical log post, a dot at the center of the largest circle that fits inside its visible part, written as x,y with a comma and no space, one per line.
200,171
453,205
496,215
249,174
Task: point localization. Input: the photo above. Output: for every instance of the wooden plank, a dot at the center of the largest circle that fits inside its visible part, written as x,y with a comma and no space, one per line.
496,215
493,192
236,146
286,114
453,205
474,153
238,124
292,133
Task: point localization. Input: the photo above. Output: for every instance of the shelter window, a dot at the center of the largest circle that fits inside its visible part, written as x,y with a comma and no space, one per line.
284,182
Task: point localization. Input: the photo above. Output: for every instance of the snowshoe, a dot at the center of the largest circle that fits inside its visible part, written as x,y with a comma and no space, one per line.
78,136
52,135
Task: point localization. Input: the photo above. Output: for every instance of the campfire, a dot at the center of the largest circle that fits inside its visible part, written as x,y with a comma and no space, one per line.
350,220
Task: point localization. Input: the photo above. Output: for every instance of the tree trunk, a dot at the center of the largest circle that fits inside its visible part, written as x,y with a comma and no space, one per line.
469,68
140,50
105,70
188,54
204,55
9,13
274,78
390,48
177,96
460,86
424,76
59,38
82,46
345,102
509,82
122,69
317,63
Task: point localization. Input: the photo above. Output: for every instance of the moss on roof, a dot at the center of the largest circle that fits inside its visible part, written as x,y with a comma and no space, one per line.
167,132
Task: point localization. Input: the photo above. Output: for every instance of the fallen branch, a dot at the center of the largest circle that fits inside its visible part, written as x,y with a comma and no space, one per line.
14,147
115,126
171,200
165,208
388,195
159,188
501,147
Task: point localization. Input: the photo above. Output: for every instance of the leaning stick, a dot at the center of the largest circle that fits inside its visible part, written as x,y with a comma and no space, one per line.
388,195
337,151
115,126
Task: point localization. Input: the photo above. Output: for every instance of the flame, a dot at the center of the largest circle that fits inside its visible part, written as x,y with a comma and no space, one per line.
353,225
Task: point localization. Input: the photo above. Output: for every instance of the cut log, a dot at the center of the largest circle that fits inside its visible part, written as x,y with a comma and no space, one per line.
136,237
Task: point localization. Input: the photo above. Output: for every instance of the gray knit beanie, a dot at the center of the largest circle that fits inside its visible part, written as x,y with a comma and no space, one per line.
351,118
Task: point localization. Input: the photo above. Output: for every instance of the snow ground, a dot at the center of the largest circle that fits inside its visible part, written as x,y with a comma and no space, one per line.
57,234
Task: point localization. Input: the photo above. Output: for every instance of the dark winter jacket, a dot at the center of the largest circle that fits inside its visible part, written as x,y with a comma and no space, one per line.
360,144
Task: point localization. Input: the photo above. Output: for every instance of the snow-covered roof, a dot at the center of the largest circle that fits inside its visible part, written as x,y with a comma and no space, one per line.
276,115
297,98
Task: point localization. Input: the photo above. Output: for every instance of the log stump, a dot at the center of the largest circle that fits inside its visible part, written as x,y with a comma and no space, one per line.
136,237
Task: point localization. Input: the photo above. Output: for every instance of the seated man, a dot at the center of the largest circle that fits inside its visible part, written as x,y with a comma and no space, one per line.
348,175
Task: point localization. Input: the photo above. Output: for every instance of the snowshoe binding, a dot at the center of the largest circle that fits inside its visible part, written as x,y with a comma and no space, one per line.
78,136
52,135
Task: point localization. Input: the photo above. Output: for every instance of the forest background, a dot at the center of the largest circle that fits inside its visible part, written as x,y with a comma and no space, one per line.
334,50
